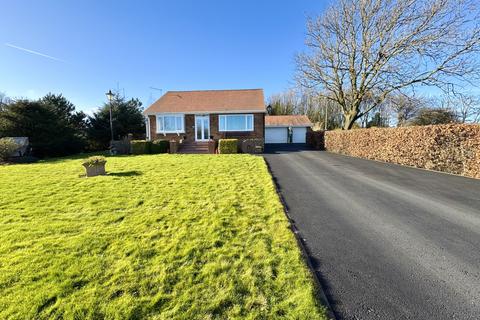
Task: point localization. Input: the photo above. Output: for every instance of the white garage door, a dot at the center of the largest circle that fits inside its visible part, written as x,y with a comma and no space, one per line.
299,135
276,135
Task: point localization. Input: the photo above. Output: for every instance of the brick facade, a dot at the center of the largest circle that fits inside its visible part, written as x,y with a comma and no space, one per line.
189,135
257,133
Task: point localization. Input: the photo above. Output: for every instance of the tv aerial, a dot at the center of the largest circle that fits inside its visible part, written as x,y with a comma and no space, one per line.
152,99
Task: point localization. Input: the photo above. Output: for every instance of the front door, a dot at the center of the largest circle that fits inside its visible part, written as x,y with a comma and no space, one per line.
202,128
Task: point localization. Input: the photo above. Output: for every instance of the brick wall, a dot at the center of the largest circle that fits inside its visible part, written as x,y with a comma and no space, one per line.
189,134
453,148
258,129
257,133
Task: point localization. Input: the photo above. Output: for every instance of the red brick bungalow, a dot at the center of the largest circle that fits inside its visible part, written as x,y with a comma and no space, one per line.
198,116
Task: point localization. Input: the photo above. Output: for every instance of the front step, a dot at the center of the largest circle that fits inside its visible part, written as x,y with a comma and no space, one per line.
195,147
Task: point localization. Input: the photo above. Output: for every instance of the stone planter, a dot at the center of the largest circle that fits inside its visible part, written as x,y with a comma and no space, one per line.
95,170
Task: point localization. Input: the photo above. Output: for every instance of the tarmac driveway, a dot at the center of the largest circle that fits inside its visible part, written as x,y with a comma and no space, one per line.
387,241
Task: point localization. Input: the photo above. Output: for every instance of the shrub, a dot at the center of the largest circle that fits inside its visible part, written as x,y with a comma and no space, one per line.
159,146
7,147
430,116
252,145
316,139
228,146
141,147
94,161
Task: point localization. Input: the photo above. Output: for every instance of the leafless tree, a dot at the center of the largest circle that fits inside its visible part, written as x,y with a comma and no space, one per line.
323,112
405,107
359,49
465,106
3,100
284,103
378,117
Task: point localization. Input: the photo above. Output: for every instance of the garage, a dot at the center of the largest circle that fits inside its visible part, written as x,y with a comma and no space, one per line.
286,129
276,135
299,134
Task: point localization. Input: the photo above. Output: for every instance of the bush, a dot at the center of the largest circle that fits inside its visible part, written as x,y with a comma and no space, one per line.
430,116
159,146
252,145
316,139
228,146
7,147
94,161
141,147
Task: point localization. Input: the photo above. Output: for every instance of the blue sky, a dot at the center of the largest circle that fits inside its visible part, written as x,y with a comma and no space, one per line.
93,46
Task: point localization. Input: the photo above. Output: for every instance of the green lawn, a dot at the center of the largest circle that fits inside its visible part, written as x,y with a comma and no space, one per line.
160,237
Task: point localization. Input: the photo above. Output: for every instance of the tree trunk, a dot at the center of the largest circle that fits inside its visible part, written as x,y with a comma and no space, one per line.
349,119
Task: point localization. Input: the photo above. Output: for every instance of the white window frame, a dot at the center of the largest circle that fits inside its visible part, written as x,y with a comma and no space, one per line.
147,124
161,118
226,116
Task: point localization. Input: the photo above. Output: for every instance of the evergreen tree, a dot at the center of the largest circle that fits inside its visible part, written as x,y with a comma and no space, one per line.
127,118
52,125
427,116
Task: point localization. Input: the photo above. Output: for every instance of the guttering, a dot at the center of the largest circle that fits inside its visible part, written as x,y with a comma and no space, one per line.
206,112
286,125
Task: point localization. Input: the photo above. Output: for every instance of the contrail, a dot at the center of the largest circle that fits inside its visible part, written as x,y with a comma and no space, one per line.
33,52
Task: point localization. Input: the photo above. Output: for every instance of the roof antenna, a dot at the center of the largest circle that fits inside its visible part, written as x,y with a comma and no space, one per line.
151,99
118,89
153,88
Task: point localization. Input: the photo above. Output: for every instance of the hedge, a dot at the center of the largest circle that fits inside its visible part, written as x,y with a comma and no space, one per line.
316,139
228,146
452,148
141,146
7,147
252,145
159,146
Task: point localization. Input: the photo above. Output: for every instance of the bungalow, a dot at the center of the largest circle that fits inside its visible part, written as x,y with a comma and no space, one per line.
194,117
198,116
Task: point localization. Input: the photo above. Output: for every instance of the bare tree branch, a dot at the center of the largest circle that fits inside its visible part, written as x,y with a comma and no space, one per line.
362,51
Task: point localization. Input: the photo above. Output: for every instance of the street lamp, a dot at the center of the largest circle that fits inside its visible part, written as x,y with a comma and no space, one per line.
269,109
110,96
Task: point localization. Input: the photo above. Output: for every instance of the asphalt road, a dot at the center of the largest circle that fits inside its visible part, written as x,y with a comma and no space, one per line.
386,241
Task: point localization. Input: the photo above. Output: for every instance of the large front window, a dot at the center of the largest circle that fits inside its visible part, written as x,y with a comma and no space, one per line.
171,123
236,122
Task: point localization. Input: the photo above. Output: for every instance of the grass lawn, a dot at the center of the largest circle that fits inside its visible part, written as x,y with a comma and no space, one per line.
160,237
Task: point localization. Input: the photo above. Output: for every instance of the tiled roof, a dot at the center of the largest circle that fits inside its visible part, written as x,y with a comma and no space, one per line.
209,101
287,121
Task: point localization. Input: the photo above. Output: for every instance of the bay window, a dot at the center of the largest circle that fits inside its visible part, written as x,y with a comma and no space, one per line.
235,122
171,123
